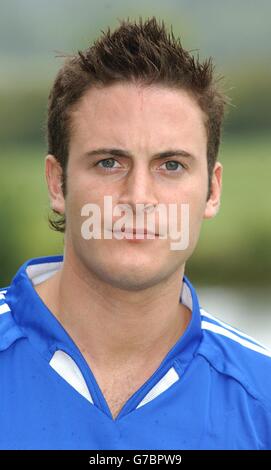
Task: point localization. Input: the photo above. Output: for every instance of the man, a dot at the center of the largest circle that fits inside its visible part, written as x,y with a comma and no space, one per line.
107,347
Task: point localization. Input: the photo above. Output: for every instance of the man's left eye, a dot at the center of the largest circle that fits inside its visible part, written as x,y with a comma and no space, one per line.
173,165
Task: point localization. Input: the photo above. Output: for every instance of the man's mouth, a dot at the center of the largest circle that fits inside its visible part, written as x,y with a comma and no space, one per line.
139,231
137,234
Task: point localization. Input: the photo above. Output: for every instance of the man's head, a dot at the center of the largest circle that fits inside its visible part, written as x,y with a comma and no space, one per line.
137,90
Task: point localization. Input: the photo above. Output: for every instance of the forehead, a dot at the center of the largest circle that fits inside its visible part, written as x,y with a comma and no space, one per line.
125,110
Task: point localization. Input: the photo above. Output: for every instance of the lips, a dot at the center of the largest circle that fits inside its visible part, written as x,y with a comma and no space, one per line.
138,231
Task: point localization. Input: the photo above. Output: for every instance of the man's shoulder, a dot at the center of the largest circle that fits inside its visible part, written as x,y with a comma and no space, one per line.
9,330
237,355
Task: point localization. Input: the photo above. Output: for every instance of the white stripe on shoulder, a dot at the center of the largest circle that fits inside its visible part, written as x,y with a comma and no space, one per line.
229,327
4,308
224,332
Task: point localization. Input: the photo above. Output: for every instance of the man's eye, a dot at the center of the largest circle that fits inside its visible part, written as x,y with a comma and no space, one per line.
172,165
107,163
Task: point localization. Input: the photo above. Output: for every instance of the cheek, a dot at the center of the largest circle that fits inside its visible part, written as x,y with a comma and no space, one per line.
197,204
79,196
193,203
197,208
84,190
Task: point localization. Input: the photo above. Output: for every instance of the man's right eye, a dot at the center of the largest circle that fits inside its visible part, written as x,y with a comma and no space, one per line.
107,163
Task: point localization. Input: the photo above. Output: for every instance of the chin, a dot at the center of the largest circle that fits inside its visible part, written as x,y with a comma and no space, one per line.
129,276
132,283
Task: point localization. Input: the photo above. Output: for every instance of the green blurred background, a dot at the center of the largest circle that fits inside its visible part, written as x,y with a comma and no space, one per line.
234,248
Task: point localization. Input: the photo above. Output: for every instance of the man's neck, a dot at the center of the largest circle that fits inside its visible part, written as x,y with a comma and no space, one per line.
113,327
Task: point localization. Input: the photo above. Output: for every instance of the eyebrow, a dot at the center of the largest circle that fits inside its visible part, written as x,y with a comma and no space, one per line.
125,153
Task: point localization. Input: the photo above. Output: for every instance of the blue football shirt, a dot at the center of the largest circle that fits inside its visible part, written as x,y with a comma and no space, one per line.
211,391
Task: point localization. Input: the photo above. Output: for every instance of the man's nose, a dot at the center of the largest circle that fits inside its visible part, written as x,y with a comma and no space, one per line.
139,188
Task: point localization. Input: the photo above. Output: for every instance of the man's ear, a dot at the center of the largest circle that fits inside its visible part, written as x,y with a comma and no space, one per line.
53,172
213,203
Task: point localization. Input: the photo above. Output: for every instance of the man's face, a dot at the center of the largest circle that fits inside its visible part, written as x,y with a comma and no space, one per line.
141,121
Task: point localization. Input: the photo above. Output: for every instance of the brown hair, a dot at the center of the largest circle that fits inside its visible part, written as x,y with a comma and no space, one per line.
142,52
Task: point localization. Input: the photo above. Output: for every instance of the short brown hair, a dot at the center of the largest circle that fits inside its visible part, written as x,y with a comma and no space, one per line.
143,52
